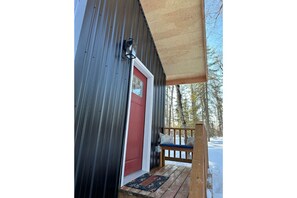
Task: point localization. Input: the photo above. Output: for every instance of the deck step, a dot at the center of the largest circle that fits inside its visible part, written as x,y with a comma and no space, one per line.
130,194
176,185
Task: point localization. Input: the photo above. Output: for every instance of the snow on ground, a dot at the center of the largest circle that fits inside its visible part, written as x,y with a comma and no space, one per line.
215,154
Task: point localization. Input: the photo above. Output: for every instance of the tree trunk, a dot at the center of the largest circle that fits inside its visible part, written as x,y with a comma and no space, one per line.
220,116
194,104
219,107
180,106
171,105
208,129
166,106
205,112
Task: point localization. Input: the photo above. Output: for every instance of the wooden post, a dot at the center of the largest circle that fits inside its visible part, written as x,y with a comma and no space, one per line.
180,136
162,157
174,140
198,174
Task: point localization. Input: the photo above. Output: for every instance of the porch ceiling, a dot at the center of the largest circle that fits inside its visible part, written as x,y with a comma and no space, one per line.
178,30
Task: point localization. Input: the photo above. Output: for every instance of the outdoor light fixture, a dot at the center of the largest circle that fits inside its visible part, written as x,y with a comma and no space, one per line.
128,47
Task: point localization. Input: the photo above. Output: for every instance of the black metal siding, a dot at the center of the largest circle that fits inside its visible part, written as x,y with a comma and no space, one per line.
101,93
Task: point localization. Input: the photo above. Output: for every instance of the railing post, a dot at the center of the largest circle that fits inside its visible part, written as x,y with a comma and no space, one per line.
198,176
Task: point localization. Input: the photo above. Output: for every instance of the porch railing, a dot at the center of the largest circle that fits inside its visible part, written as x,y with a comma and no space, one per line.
180,137
199,157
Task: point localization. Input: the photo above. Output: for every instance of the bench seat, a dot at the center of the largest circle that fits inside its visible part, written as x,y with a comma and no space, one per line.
174,147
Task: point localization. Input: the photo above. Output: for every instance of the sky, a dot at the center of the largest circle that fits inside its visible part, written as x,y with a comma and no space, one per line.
214,25
214,40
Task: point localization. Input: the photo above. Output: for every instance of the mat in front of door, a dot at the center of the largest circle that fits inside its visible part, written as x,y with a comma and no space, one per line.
148,182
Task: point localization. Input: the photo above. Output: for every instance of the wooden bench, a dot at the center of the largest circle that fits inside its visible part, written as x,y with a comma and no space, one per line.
175,147
178,146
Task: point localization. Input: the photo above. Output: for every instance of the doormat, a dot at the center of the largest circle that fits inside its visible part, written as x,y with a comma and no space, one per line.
148,182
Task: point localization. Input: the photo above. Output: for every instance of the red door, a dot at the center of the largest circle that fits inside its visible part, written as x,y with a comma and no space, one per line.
134,149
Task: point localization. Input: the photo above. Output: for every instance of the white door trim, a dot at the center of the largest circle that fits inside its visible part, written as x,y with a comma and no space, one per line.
148,118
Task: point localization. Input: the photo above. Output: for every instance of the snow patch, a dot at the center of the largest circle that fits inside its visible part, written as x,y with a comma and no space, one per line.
215,154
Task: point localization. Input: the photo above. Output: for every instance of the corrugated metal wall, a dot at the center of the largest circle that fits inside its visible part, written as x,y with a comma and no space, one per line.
101,93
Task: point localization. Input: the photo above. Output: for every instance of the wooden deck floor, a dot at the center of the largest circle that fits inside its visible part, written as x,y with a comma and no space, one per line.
176,186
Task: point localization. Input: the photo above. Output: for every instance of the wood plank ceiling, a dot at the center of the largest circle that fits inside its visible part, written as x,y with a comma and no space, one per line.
178,30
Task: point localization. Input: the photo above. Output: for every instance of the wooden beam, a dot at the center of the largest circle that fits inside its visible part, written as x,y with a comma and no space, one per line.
198,175
168,128
186,80
178,159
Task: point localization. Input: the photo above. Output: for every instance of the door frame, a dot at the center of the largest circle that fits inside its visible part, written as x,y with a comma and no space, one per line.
147,120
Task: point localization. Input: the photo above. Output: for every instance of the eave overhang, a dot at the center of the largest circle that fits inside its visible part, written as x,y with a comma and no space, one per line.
178,30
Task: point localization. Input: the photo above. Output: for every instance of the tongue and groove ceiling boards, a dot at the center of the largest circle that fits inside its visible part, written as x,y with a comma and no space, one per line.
178,30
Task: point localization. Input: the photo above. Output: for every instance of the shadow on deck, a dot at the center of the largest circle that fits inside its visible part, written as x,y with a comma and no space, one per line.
176,186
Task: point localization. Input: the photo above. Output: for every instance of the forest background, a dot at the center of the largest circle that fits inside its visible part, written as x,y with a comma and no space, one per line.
186,104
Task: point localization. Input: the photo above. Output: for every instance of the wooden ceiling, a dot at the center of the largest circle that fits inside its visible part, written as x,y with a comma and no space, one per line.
178,30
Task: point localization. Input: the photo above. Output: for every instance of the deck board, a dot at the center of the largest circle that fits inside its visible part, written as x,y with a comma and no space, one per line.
174,173
184,189
176,186
163,169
